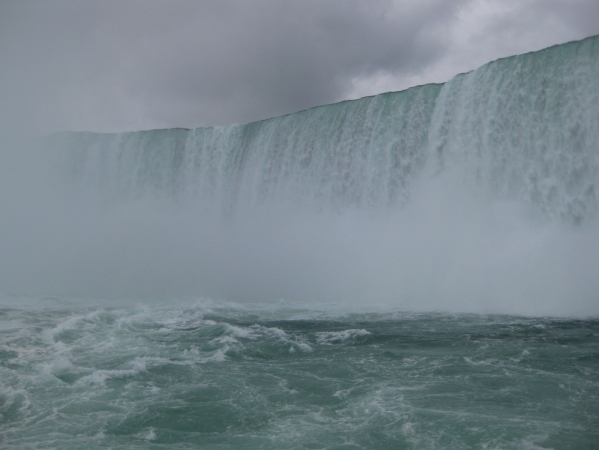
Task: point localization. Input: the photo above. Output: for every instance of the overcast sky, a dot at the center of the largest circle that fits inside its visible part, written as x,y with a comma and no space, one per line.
130,65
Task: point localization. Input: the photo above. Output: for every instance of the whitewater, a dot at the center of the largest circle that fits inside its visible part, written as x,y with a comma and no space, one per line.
416,269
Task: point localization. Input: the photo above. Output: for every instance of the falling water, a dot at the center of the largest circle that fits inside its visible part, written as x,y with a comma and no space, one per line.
398,271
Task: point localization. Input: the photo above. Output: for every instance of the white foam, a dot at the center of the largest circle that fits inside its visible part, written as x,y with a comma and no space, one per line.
100,376
338,337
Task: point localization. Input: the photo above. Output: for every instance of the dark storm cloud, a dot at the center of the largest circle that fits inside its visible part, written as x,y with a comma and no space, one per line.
109,65
210,62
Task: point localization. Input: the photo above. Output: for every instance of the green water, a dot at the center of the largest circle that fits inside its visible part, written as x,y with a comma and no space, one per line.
208,375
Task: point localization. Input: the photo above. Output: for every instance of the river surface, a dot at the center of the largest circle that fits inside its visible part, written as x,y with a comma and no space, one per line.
206,374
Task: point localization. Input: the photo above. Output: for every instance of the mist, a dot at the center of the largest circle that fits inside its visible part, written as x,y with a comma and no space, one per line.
478,195
447,249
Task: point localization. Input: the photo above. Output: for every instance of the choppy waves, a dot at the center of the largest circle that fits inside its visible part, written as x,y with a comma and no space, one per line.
202,374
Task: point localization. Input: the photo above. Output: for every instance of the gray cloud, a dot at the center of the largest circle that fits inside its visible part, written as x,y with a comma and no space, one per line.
112,65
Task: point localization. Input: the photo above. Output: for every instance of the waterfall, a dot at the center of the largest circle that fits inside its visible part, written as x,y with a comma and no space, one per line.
476,195
523,128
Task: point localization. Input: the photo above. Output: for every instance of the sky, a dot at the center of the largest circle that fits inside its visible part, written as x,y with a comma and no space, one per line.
110,66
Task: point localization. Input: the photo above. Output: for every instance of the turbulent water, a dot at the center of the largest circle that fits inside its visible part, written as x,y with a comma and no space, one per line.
416,269
210,375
